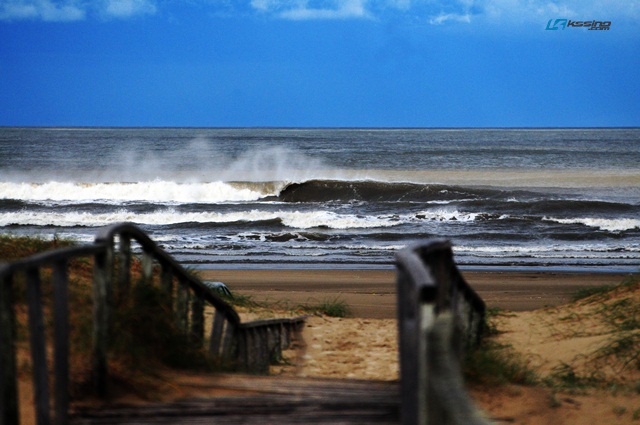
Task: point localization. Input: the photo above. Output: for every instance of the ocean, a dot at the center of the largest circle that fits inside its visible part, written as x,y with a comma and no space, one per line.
528,199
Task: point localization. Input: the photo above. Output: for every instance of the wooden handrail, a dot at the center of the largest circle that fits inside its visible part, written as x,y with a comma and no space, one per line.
247,346
129,231
8,382
439,317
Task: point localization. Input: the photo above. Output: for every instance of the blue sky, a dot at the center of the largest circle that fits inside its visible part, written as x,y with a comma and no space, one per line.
318,63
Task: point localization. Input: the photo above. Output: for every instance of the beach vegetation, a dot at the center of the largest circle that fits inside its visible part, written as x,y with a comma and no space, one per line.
591,291
611,365
611,313
565,377
604,291
619,410
13,247
492,316
492,363
144,334
241,300
328,307
147,334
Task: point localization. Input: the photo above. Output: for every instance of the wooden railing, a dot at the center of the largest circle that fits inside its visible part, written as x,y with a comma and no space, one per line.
439,317
246,346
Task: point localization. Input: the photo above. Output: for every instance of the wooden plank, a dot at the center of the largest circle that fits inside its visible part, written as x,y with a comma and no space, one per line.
278,400
230,343
38,347
243,348
197,320
182,306
9,413
215,340
61,342
274,342
262,359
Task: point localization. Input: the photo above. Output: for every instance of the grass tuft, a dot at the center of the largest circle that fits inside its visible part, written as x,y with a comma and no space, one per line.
495,364
564,377
331,308
14,247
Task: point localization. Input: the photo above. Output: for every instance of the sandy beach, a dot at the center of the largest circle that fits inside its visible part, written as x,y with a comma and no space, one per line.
538,322
372,293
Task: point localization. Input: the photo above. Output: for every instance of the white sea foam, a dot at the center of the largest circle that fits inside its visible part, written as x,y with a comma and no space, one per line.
447,215
307,220
149,191
295,219
549,249
610,225
586,250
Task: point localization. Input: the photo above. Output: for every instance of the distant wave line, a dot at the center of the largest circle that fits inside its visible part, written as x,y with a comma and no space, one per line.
309,219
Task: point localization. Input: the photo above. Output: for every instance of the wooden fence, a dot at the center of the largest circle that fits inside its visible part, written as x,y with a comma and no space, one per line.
439,317
247,346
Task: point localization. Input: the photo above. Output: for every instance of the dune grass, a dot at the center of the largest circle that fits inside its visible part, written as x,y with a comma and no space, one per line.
492,363
615,306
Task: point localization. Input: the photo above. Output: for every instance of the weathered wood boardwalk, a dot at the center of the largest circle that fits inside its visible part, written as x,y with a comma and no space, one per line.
439,317
264,400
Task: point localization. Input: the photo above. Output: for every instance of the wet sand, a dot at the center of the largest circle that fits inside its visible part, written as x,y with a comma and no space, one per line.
372,293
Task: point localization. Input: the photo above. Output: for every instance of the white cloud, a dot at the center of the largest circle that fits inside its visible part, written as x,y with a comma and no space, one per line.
445,17
518,11
265,5
434,12
72,10
308,10
46,10
127,8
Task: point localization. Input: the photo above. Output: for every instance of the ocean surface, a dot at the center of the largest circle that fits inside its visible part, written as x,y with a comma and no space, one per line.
566,199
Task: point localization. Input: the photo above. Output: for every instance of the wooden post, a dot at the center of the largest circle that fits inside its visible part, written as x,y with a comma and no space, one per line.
452,403
9,413
215,341
413,373
197,320
182,306
166,286
38,347
274,342
101,279
124,267
166,279
260,353
433,295
147,266
231,343
61,324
